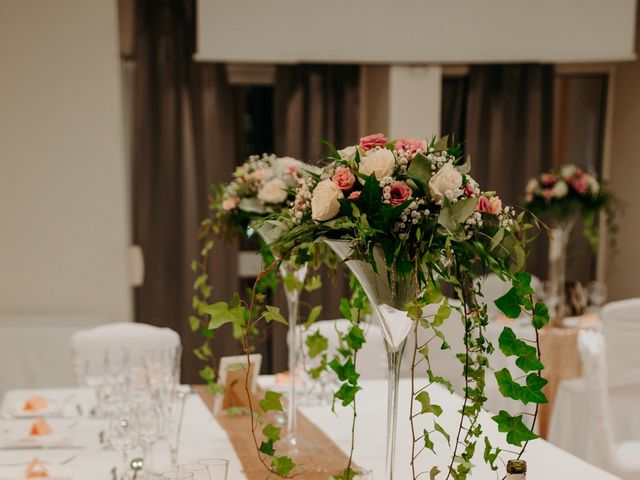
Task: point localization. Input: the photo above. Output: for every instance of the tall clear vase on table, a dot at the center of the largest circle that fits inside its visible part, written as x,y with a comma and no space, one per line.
389,293
558,242
291,444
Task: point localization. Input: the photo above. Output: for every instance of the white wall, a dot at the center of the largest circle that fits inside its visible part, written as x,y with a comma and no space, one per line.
63,199
623,269
415,31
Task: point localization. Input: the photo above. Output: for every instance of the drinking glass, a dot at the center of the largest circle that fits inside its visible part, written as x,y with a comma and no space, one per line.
177,475
149,429
200,472
172,410
597,292
218,467
123,434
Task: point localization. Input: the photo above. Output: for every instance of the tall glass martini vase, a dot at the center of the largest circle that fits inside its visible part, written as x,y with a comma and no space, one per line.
389,293
290,443
558,241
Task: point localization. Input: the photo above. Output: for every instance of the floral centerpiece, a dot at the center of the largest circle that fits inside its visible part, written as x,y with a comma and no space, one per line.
560,197
261,188
407,217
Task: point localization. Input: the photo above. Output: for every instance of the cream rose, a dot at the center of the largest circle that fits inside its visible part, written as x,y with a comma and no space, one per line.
274,191
447,178
348,153
560,189
324,201
378,162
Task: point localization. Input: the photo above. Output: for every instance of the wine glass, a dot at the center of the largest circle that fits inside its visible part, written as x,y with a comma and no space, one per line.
597,293
123,434
200,472
148,428
218,467
172,410
177,475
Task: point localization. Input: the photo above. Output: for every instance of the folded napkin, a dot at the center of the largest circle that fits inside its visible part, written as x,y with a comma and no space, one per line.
40,427
35,403
57,472
36,469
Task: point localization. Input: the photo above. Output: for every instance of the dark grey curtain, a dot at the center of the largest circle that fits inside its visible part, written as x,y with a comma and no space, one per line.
508,131
314,103
183,141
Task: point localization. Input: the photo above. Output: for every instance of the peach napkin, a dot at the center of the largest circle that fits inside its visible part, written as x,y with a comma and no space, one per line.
40,427
282,378
35,403
36,469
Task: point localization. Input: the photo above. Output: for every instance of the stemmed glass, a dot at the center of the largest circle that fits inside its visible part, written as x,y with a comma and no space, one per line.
218,468
200,472
149,429
123,434
172,410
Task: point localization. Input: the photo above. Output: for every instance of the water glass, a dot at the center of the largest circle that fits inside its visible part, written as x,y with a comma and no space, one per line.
123,434
148,428
177,475
218,468
200,472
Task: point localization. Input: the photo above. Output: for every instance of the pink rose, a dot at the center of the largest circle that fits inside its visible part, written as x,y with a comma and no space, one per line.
468,190
230,203
411,145
355,195
547,179
400,193
344,178
372,141
496,205
579,184
483,205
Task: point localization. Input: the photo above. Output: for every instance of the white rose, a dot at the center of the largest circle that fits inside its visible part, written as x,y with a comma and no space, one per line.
446,180
324,201
378,162
274,191
560,189
532,186
568,171
348,153
594,186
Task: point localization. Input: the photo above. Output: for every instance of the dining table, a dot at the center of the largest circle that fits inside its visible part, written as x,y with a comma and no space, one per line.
86,456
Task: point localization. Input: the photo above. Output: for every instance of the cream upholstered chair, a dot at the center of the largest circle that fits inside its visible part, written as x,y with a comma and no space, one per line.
621,330
98,349
622,459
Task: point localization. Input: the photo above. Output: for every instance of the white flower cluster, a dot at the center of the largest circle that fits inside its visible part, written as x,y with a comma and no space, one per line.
302,201
413,214
263,182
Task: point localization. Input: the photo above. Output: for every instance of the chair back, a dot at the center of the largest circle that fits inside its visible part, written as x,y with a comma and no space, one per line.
621,329
117,346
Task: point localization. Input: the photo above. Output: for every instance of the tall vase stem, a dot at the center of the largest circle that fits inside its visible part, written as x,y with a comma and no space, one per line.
394,359
293,306
558,240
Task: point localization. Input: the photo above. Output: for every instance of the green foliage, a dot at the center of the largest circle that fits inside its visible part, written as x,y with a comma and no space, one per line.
527,355
531,392
271,402
282,465
509,304
221,314
314,313
517,432
316,344
272,314
426,406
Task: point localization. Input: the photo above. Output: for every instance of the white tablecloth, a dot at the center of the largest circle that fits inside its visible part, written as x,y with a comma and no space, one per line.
203,437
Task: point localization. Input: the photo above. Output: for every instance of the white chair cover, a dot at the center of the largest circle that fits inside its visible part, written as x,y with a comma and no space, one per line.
621,329
622,459
35,349
97,349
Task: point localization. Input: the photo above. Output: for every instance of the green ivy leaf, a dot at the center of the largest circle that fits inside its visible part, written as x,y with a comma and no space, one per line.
540,315
440,380
347,393
282,465
271,402
271,432
433,473
316,343
489,456
314,283
427,441
433,293
517,432
221,314
207,374
442,431
509,303
426,405
266,447
527,355
313,316
355,338
273,314
215,389
442,314
292,284
194,323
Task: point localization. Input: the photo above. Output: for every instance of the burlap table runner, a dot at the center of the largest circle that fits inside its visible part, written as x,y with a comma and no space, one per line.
329,459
